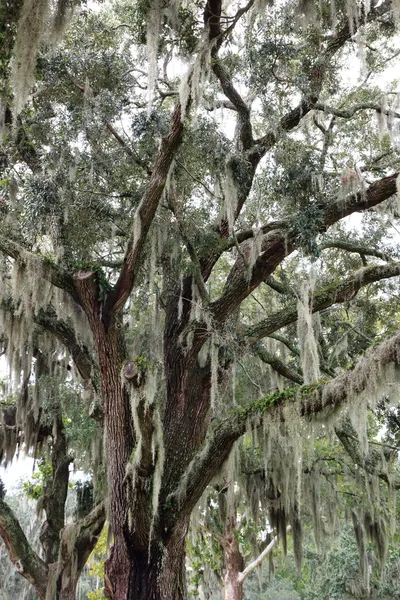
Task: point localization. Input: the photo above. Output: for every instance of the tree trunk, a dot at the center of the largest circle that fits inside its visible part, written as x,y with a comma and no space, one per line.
234,564
160,576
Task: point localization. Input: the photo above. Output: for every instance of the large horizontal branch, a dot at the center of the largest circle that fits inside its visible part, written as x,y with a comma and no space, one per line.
322,299
26,561
145,214
374,373
348,113
277,245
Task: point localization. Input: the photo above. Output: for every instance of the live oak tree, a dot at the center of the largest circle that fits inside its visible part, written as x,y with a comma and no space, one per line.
161,163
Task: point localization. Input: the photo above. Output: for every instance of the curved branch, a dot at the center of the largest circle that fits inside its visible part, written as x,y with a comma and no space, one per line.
354,247
350,112
26,561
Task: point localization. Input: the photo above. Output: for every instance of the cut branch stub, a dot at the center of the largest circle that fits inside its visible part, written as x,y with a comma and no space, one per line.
133,373
82,274
88,290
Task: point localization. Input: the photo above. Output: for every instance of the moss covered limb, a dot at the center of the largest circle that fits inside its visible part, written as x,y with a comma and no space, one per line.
368,381
355,248
77,542
47,318
316,77
373,463
80,354
26,561
277,246
55,494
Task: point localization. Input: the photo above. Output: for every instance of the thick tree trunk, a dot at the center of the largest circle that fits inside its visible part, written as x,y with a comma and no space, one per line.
160,576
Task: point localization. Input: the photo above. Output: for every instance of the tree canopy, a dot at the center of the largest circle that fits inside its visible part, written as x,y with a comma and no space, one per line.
198,246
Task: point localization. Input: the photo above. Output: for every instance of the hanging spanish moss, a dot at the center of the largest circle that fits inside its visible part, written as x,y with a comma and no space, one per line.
277,382
30,32
352,15
193,84
63,12
305,331
360,535
152,38
396,12
254,250
230,196
214,370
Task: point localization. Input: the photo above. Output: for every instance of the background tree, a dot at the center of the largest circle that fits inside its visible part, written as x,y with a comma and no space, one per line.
36,421
139,230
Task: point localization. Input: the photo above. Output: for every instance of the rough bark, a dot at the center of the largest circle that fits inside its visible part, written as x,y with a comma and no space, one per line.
159,574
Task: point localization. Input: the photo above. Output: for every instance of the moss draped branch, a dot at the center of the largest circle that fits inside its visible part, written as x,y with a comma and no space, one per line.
355,248
276,363
49,271
80,354
371,375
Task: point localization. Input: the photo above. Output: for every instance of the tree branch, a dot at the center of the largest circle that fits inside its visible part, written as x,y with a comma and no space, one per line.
373,372
350,112
322,299
256,562
47,269
80,353
26,561
77,542
316,77
289,121
145,214
277,246
354,247
277,364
